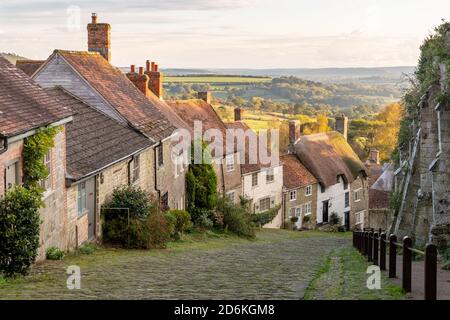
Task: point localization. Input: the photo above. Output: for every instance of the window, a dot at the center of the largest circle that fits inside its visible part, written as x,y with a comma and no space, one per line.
307,209
230,195
264,204
230,162
160,155
357,195
347,199
308,191
270,176
12,175
165,201
292,195
298,211
359,217
46,184
255,179
136,167
82,198
322,189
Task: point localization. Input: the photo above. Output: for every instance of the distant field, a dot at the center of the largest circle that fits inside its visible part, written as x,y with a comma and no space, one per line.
216,79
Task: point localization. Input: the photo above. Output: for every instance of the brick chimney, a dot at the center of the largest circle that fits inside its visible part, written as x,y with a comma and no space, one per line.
342,125
140,80
238,114
156,78
99,37
374,156
294,135
205,95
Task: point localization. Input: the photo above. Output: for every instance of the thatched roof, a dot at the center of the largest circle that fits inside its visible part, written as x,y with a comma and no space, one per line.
327,156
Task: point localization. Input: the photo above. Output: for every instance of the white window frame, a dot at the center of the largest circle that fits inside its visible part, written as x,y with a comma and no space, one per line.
254,184
307,208
261,209
356,195
47,183
136,168
270,173
308,191
293,195
359,217
298,211
229,162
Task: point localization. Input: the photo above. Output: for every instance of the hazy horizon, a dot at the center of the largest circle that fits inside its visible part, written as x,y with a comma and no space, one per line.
229,34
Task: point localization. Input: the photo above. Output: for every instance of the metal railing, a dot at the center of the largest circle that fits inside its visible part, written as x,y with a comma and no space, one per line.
373,244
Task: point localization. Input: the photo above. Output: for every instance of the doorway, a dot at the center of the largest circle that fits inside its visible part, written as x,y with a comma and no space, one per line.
325,205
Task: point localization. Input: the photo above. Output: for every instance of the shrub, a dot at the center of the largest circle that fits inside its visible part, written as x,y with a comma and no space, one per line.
203,219
136,199
123,227
306,219
181,222
19,230
54,253
87,248
294,219
334,219
158,231
236,219
261,219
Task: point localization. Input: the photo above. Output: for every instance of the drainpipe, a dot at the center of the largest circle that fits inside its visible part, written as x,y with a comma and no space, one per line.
155,152
223,176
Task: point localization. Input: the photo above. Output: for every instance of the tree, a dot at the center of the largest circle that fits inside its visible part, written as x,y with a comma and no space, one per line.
201,183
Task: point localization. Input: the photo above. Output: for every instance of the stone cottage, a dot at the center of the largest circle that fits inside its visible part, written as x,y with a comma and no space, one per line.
90,77
102,155
299,193
343,186
24,108
226,166
262,183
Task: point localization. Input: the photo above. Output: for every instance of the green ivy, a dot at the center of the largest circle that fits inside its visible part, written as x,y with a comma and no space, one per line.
434,51
34,149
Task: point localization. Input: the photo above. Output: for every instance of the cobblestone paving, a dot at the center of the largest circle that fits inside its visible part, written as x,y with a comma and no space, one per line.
279,268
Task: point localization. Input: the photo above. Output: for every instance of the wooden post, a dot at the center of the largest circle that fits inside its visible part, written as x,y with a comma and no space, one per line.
407,261
375,248
383,251
392,256
370,251
430,272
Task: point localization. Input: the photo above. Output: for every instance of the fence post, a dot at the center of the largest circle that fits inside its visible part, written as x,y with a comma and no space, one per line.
370,251
383,251
407,261
392,256
375,248
430,272
366,242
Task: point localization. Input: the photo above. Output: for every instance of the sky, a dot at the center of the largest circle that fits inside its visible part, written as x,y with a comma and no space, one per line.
229,33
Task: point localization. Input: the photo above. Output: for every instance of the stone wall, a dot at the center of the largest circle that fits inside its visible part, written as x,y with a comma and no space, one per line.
53,216
378,218
361,184
300,201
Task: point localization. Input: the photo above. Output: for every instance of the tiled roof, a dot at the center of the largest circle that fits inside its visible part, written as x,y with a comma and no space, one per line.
94,140
29,66
24,105
199,110
148,114
295,175
327,156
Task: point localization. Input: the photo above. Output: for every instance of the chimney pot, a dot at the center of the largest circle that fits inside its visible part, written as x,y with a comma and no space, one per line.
342,125
294,134
132,68
153,66
206,96
238,112
141,71
147,65
156,68
99,38
94,18
374,156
